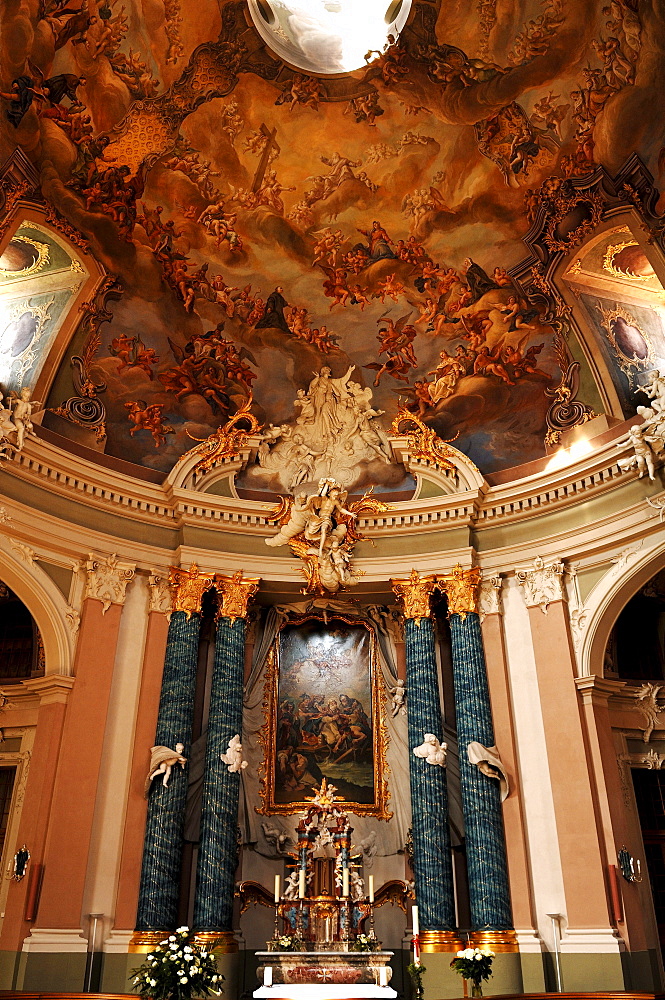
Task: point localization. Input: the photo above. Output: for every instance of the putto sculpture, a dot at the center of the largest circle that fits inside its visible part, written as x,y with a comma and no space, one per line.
16,421
233,756
648,438
162,761
431,750
321,530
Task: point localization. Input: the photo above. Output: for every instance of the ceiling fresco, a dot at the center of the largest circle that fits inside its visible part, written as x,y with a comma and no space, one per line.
264,223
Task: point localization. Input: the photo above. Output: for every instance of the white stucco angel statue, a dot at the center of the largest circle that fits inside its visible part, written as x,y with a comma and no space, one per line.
399,698
233,756
162,761
431,750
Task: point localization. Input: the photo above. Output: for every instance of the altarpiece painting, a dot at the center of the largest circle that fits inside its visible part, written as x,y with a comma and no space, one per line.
323,717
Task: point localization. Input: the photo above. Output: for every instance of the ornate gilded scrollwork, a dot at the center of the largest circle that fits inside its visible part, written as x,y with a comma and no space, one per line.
565,411
227,441
189,586
462,588
235,593
424,442
415,594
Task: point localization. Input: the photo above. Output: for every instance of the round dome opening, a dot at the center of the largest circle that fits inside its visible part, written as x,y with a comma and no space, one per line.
328,36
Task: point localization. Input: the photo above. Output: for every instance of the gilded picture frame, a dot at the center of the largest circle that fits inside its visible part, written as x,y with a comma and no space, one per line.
324,716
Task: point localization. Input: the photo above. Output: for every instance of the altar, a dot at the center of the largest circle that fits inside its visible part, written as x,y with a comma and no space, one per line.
323,949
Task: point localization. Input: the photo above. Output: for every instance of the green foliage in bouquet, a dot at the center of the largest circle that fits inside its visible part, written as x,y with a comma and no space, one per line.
365,942
178,969
416,972
285,942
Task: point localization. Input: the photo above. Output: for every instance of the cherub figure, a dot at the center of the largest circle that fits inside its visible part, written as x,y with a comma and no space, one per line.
233,756
22,408
162,761
399,698
431,750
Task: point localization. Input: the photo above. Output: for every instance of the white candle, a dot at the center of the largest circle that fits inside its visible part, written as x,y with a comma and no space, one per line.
278,888
301,884
414,921
370,882
383,975
345,881
267,976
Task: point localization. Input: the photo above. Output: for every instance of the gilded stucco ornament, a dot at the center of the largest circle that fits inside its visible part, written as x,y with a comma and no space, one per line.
461,587
543,584
189,586
415,593
322,531
235,593
425,443
226,442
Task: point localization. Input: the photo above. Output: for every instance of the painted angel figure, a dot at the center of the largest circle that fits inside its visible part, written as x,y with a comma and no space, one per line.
431,750
233,756
398,698
162,761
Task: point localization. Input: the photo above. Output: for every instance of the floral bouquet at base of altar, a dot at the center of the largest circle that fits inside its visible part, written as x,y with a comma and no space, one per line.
285,942
365,942
474,964
178,969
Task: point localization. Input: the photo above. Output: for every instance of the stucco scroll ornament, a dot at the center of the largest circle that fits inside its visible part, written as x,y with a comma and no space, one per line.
398,698
425,443
227,441
322,530
543,584
488,761
106,579
489,596
431,751
233,757
647,701
161,597
162,761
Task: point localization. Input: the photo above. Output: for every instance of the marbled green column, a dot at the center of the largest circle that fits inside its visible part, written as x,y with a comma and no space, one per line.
432,863
160,873
481,797
218,846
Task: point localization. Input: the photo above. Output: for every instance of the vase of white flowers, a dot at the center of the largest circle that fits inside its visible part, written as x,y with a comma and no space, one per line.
365,942
474,964
178,969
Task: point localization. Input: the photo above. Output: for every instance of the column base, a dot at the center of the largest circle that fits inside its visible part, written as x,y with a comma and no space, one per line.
141,942
436,941
224,942
497,941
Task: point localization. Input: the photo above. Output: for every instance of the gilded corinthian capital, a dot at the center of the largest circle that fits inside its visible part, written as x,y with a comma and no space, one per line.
415,593
235,594
189,586
461,587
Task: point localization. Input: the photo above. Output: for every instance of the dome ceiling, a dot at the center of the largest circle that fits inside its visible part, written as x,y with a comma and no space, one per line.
269,222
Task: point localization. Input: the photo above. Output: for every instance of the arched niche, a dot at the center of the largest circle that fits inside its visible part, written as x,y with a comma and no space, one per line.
609,597
46,276
46,605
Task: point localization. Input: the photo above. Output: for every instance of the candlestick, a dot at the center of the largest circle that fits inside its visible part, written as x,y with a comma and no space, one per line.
345,881
414,921
301,884
278,888
370,882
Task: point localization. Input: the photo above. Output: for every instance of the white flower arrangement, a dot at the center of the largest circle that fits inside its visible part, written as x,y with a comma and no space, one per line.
474,964
178,969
